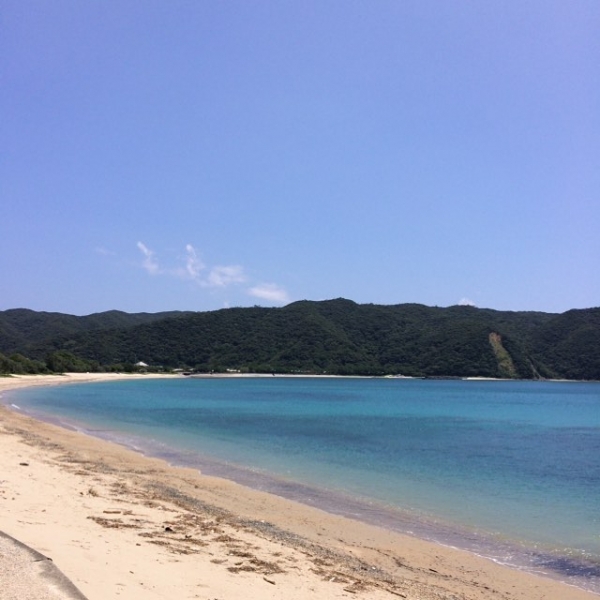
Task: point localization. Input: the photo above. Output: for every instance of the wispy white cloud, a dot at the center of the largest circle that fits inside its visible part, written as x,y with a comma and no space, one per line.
193,264
104,251
271,292
466,302
149,263
222,276
192,267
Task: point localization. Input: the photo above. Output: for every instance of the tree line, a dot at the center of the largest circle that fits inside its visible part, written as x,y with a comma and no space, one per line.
334,337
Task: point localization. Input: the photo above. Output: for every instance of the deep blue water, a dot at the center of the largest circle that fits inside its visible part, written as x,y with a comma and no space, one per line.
507,469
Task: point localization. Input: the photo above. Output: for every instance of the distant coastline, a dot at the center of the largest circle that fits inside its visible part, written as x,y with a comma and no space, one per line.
332,337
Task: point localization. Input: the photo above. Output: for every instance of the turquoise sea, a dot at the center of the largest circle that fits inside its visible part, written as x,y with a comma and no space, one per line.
510,470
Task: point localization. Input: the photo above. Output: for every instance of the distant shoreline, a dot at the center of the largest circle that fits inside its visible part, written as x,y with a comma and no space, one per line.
16,381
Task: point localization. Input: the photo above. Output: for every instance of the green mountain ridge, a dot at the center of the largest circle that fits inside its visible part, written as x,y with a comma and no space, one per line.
332,336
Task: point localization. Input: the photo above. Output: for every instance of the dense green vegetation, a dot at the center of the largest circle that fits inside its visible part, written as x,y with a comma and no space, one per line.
335,336
19,327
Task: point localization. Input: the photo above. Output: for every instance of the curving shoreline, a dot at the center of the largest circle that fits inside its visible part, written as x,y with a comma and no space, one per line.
117,523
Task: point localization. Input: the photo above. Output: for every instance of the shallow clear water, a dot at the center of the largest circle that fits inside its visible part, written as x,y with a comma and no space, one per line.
508,469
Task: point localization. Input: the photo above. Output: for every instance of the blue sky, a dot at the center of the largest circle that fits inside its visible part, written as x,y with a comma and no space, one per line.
198,155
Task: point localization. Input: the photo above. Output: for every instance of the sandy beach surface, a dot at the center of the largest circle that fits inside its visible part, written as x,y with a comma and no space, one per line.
122,525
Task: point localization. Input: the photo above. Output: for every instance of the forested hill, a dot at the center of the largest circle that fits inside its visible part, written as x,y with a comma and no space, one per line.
21,327
334,336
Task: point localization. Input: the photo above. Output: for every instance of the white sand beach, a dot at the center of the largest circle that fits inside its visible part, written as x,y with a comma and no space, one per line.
122,525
